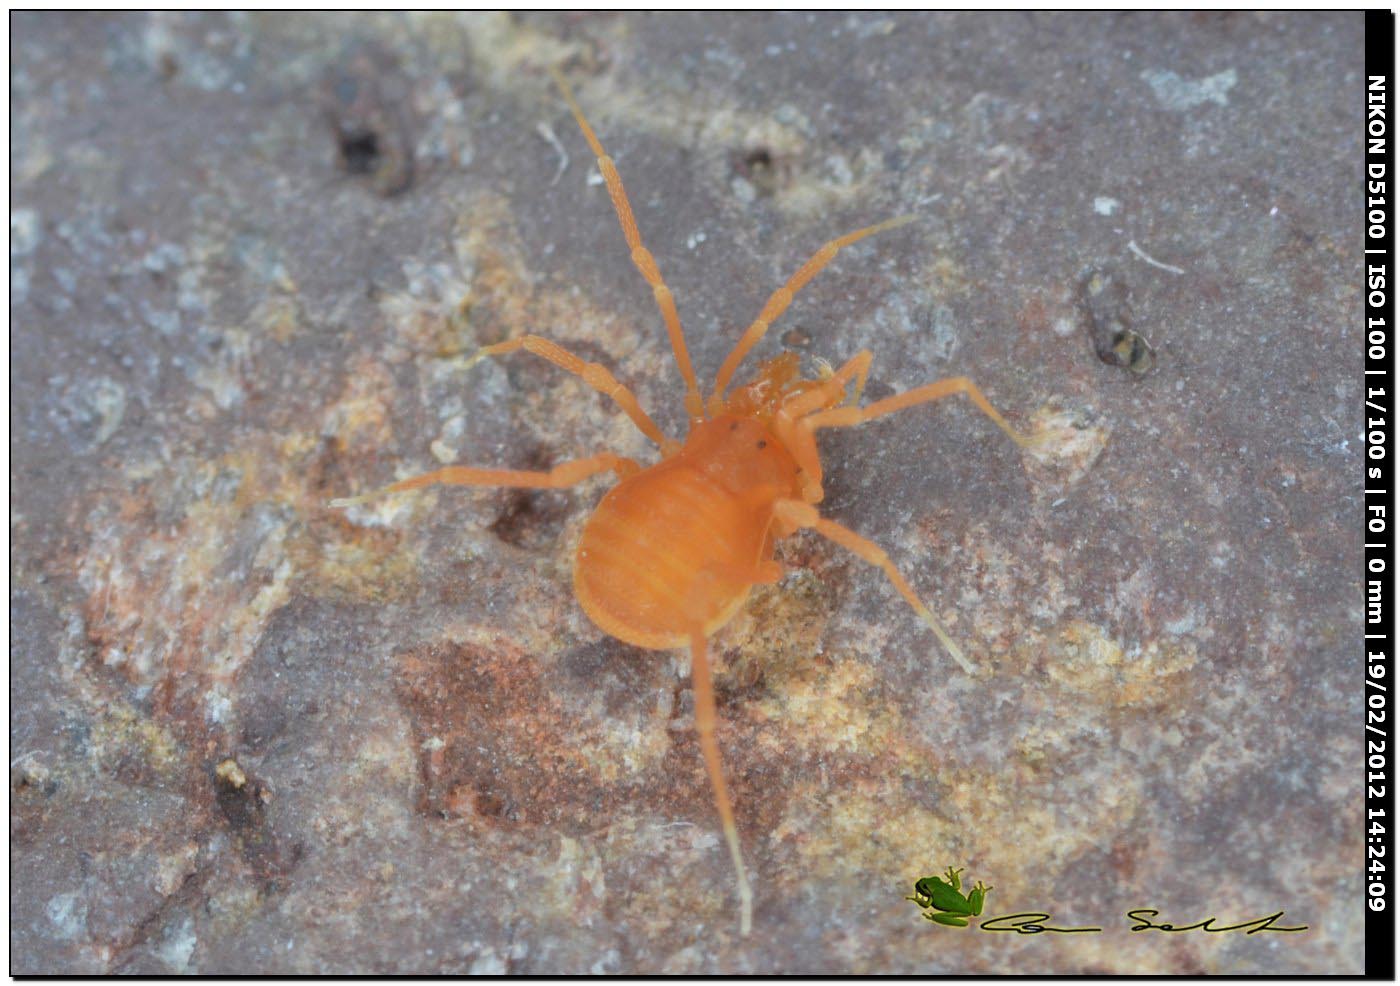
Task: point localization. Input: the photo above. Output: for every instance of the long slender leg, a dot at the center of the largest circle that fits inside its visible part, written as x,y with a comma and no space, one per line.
830,390
781,298
705,727
562,475
596,375
800,440
641,256
800,514
844,417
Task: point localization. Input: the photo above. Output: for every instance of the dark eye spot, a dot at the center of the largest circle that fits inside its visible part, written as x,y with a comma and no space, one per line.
762,444
733,426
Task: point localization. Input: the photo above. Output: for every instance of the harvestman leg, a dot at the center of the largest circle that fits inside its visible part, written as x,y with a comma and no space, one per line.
562,475
797,420
799,514
845,417
781,298
765,571
801,440
596,375
705,727
641,256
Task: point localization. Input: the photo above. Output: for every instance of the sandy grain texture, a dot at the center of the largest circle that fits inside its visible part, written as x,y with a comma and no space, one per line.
250,734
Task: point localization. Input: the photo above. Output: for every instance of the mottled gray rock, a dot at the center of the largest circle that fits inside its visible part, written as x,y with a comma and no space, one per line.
250,734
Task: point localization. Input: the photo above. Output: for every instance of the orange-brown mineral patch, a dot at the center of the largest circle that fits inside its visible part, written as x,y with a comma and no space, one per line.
494,746
177,603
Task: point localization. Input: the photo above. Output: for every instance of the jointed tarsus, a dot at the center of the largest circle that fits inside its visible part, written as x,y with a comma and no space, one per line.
596,375
800,514
562,475
641,256
705,727
781,298
844,417
797,421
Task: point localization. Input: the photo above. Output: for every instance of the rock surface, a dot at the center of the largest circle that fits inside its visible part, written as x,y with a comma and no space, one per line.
251,734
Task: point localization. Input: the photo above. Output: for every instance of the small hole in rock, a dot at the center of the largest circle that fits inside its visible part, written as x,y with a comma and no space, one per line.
759,159
797,338
359,149
761,170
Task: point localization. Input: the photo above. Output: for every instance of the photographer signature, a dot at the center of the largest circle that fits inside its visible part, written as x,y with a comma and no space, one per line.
1033,923
942,900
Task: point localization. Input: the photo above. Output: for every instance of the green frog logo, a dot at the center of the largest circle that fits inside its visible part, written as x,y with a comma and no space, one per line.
944,902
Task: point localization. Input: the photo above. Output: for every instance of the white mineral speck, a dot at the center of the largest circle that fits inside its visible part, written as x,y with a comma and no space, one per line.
840,169
25,232
108,400
488,963
178,946
1176,93
443,452
217,705
68,914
